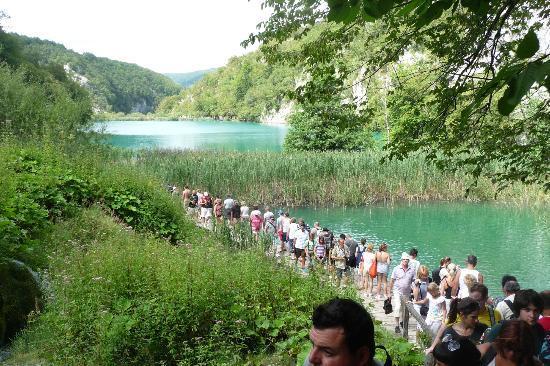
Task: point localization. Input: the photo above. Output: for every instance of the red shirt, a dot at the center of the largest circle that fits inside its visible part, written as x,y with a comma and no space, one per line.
545,322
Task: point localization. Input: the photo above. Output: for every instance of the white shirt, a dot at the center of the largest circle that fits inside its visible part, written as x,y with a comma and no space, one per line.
301,239
228,203
504,309
464,291
286,224
292,230
435,309
414,264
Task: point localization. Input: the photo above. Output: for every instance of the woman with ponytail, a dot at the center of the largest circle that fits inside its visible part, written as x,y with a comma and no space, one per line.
461,322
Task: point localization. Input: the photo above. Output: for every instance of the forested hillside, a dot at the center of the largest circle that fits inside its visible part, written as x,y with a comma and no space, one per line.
244,89
187,79
114,86
38,101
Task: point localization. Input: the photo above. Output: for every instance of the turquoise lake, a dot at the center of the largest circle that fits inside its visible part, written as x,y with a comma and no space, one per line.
194,135
506,238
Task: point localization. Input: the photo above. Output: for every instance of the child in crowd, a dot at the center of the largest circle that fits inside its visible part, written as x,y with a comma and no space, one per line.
437,310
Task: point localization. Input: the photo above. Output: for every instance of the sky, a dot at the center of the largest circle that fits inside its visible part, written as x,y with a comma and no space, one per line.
161,35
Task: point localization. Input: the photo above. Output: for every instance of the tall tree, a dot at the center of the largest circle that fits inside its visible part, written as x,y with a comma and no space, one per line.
489,86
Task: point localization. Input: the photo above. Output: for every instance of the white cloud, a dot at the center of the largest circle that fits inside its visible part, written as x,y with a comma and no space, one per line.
163,35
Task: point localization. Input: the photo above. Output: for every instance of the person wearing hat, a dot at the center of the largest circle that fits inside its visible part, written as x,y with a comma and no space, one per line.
402,277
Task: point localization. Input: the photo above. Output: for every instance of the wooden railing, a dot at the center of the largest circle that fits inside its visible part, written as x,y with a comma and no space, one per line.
407,309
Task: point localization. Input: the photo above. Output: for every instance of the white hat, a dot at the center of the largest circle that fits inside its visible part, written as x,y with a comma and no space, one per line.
206,194
404,255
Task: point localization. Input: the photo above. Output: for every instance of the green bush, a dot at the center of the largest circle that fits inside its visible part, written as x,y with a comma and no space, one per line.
122,298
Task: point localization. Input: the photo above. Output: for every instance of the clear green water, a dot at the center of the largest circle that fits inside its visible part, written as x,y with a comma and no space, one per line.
194,135
506,239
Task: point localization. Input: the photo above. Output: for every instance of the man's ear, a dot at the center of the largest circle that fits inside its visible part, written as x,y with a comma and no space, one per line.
363,356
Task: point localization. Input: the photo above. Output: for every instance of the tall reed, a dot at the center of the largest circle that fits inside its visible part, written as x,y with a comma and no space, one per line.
319,179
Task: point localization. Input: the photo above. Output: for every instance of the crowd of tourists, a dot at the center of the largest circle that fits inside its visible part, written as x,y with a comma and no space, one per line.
469,326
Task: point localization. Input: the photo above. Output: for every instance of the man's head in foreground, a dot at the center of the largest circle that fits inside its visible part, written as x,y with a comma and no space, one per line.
342,335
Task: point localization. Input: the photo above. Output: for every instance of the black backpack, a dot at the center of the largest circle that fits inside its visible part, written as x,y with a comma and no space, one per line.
435,275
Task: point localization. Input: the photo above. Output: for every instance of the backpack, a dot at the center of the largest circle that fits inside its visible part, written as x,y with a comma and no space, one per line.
423,308
435,275
510,305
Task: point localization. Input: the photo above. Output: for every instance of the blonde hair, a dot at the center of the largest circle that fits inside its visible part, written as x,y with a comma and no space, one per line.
451,268
469,281
422,271
433,289
370,247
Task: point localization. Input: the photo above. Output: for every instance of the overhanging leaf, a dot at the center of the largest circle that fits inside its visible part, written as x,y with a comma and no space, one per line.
528,46
343,11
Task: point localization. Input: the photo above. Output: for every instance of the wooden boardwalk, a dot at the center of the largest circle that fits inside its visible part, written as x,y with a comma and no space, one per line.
375,305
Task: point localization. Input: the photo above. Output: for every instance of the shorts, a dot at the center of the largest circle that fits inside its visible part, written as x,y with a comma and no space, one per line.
396,302
341,271
206,213
382,268
299,252
227,213
284,237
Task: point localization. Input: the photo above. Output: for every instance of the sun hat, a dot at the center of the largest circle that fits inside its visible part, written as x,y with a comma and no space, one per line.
404,255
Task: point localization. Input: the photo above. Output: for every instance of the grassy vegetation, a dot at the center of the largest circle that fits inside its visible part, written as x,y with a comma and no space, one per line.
320,179
131,280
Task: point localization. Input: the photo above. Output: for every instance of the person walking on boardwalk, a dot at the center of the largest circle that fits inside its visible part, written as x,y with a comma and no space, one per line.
414,263
338,255
186,196
461,322
301,237
488,315
367,260
268,214
460,286
245,212
446,285
256,221
228,204
383,260
401,279
506,307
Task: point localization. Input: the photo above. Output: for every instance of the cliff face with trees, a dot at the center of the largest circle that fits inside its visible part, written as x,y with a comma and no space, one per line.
245,89
113,85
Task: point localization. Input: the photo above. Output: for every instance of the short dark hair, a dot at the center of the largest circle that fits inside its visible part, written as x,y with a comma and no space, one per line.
507,278
545,299
481,288
525,297
472,259
343,236
413,252
352,317
511,286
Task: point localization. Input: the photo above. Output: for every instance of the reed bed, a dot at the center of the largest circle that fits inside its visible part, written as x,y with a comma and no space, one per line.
320,178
